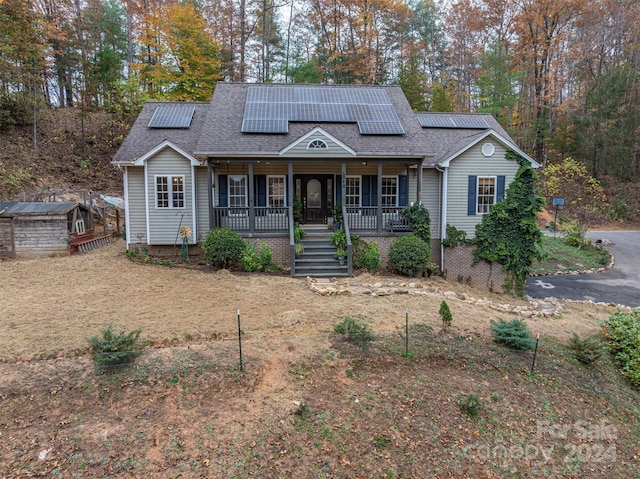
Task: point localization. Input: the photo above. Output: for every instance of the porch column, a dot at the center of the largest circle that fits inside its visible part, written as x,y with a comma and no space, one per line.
379,199
290,191
211,195
419,182
343,185
252,203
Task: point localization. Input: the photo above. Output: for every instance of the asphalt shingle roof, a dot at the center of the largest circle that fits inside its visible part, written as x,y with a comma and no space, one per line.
215,130
222,136
142,139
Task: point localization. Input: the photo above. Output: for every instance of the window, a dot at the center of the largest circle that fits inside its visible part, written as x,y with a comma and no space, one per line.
352,191
169,191
80,228
389,191
316,144
486,194
238,192
275,191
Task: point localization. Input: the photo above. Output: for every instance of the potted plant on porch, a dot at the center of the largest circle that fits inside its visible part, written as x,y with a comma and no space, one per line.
336,213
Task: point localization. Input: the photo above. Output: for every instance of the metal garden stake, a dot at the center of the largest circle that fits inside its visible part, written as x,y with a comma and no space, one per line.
240,340
535,352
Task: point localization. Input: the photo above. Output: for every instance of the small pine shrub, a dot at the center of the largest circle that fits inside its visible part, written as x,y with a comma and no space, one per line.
515,334
354,331
223,247
587,351
113,350
470,405
410,255
445,315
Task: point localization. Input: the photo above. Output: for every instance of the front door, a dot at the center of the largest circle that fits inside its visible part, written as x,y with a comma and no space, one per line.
316,193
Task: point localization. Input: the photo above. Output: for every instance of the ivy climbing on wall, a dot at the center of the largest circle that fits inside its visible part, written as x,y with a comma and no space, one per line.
508,234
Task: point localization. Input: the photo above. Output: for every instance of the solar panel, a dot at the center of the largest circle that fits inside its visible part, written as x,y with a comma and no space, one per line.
452,121
470,122
172,116
269,109
436,121
265,126
380,128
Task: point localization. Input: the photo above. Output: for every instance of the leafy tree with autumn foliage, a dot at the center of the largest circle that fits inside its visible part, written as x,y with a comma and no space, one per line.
185,64
570,180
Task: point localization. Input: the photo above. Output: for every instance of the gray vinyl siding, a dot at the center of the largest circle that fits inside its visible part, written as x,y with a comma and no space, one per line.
164,223
333,150
431,192
137,227
202,202
470,163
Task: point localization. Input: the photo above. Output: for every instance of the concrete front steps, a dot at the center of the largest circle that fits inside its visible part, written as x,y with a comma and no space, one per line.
318,260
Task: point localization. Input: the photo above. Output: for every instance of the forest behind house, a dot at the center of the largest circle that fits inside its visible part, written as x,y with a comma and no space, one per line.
561,76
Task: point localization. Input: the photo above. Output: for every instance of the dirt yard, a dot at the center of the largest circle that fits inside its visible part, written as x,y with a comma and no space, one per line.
188,411
50,306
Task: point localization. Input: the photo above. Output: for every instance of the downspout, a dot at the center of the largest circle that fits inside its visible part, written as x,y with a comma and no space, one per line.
127,217
443,211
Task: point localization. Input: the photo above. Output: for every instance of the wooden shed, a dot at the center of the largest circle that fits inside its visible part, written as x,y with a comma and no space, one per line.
45,228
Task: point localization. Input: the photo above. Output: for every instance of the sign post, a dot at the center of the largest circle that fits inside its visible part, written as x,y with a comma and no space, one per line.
556,202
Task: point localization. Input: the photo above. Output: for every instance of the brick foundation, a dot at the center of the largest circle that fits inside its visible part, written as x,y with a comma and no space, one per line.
458,266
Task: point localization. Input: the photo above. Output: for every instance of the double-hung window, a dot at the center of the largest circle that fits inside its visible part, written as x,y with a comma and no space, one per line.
170,192
237,193
352,192
389,191
485,194
275,192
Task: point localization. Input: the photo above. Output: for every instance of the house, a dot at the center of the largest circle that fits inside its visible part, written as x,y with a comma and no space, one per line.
240,160
46,228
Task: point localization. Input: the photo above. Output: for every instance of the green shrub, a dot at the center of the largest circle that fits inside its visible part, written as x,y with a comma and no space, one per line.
514,334
354,331
419,221
455,237
471,405
587,350
112,350
366,256
339,239
445,315
574,235
256,257
410,255
223,247
623,332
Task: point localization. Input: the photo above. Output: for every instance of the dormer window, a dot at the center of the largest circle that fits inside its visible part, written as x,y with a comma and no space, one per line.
316,144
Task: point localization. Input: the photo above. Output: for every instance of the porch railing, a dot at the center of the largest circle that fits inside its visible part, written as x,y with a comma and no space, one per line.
257,219
264,219
369,218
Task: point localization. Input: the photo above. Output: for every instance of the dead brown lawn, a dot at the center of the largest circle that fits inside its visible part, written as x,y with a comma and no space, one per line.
50,306
306,405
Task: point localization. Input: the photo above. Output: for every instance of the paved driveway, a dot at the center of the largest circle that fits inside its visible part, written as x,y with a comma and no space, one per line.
619,285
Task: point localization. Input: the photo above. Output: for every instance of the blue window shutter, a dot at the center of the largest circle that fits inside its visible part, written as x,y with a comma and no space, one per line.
374,190
260,189
500,188
223,199
471,204
403,190
366,190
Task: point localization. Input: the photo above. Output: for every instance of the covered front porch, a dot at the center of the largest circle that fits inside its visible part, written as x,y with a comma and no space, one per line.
266,198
